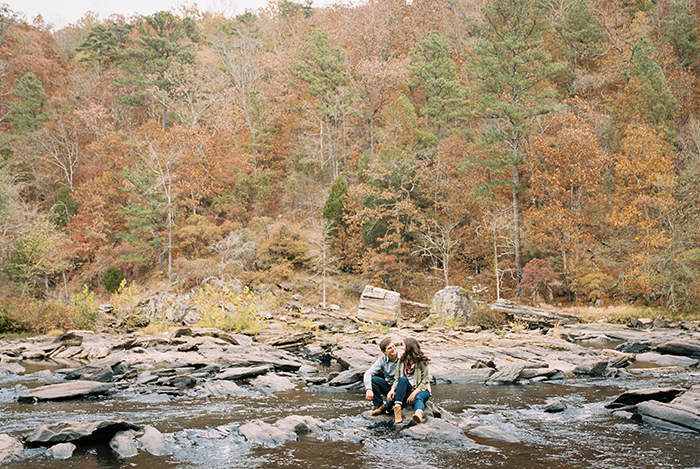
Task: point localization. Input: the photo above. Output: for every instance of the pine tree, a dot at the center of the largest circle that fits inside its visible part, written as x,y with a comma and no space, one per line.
27,114
511,65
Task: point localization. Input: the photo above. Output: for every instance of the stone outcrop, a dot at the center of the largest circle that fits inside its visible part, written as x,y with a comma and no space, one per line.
452,302
379,305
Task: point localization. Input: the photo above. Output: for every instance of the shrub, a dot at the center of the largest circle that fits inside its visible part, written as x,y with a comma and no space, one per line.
112,279
231,311
86,310
487,318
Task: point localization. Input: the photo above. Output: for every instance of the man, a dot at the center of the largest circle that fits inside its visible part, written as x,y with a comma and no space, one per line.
379,377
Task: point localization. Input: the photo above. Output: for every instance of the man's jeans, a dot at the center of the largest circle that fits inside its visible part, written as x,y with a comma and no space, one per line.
380,388
403,390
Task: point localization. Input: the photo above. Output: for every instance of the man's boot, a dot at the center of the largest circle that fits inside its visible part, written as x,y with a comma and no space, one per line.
398,418
378,410
418,416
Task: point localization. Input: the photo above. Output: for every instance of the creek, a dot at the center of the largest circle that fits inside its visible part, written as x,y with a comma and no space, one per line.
201,432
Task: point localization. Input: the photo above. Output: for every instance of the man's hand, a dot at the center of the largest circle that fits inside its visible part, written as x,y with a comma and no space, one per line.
369,395
390,396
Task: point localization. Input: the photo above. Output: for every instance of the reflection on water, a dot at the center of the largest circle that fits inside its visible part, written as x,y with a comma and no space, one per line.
202,431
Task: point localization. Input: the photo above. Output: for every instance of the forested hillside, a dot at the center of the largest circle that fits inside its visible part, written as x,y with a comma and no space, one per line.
544,149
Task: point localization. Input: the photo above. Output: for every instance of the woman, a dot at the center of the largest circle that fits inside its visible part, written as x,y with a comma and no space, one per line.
412,381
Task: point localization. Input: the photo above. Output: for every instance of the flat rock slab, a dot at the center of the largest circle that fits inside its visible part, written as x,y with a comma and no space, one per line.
243,372
688,349
77,431
641,395
11,449
72,390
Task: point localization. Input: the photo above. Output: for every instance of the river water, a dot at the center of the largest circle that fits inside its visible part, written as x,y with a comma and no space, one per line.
201,432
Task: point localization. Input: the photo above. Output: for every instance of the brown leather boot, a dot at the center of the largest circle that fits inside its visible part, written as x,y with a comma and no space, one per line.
378,410
418,416
398,418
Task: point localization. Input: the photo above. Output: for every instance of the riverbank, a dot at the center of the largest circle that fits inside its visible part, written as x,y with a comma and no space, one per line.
329,358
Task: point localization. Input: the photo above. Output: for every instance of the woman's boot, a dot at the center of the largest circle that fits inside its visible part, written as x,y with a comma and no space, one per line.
418,416
398,418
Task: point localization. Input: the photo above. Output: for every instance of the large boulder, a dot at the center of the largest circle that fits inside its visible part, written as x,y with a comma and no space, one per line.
379,305
452,302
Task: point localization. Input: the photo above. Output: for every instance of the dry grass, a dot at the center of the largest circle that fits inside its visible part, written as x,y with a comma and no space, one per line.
621,314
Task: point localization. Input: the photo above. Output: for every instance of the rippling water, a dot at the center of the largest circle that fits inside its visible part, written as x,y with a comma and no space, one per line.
202,433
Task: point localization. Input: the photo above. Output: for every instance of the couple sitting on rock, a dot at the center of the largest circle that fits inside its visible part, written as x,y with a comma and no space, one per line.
402,376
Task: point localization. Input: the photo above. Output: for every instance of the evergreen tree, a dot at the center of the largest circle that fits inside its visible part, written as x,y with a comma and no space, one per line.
334,208
104,44
146,215
511,66
320,71
436,74
681,28
27,114
653,97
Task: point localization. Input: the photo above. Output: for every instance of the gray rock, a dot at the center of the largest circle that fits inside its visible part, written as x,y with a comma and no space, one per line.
222,388
591,368
11,367
667,360
452,302
508,375
124,444
266,434
555,405
11,449
347,377
636,396
244,372
299,424
70,339
77,431
465,376
379,305
492,433
153,442
439,430
71,390
62,450
688,349
272,383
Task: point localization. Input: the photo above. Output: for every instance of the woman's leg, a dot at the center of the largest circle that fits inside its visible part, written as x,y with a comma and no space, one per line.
403,389
419,401
419,405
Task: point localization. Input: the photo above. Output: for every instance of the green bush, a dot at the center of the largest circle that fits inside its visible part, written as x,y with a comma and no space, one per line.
112,278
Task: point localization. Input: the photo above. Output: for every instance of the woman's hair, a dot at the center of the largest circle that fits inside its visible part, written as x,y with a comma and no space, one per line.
412,350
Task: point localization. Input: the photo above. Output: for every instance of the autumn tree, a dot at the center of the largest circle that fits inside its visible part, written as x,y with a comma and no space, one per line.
566,176
511,66
641,199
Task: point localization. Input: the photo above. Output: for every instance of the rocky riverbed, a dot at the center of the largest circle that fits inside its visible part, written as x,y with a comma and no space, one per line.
207,364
